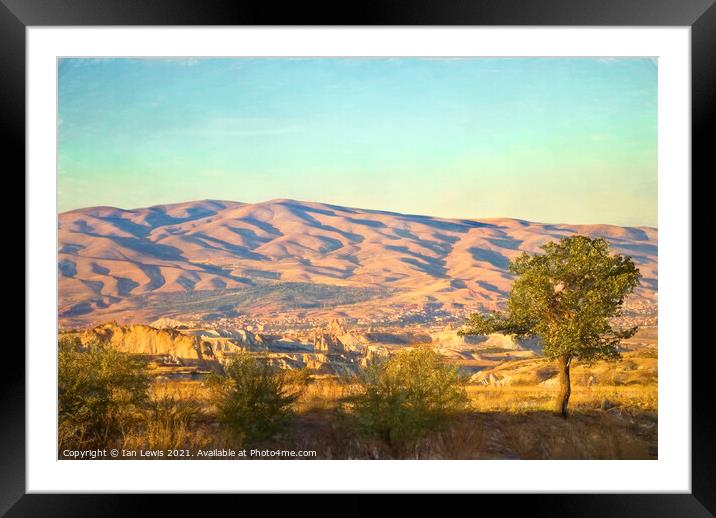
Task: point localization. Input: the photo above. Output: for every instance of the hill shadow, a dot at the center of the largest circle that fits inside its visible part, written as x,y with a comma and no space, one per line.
496,259
430,265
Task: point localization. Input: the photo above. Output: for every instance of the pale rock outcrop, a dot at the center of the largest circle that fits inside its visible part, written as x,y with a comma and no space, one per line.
329,344
336,328
249,340
146,340
318,362
168,323
329,341
233,340
451,339
491,379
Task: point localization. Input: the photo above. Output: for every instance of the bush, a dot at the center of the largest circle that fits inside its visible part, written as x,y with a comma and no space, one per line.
100,391
408,395
254,399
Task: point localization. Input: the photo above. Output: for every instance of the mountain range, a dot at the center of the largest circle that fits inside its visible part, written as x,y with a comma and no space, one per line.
144,263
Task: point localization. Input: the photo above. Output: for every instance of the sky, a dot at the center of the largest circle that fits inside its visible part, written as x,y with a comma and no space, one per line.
557,140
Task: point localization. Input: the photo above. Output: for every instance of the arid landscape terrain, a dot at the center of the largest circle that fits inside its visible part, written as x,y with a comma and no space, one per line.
289,264
358,257
324,290
510,386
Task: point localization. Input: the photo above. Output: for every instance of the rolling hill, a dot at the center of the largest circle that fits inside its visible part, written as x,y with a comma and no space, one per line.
134,265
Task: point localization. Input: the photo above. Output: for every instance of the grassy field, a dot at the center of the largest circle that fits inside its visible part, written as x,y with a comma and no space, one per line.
608,421
508,412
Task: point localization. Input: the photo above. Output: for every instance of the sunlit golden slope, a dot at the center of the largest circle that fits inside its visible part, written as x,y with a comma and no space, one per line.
107,254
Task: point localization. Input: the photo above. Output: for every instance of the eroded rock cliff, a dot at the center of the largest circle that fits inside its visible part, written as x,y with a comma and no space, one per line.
141,339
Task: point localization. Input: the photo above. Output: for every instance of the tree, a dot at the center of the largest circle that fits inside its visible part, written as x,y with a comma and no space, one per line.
254,398
567,297
408,395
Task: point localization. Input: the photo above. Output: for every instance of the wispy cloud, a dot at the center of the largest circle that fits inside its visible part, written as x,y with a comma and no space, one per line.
248,132
240,127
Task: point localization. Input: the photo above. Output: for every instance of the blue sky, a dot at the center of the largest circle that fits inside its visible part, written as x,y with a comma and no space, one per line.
544,139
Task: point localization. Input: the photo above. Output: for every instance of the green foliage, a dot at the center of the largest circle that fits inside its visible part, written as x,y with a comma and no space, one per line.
567,297
280,294
408,395
100,390
254,399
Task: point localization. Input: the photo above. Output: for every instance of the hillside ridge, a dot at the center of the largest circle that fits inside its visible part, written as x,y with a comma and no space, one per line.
109,257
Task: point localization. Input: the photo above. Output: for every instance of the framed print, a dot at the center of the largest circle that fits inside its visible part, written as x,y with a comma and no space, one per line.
444,250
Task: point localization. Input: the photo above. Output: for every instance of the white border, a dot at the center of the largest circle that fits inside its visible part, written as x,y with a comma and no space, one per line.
671,473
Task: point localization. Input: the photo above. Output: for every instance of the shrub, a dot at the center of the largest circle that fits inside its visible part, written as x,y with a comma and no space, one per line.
255,399
408,395
100,391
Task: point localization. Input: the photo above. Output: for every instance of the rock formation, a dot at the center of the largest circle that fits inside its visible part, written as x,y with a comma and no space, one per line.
328,344
141,339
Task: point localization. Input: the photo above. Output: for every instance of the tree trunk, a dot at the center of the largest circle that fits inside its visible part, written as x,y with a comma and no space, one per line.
565,388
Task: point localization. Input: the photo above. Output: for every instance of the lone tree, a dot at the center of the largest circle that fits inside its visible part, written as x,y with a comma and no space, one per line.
566,297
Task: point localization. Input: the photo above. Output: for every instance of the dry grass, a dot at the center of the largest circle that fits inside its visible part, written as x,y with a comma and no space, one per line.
520,398
323,394
171,420
529,435
613,418
506,422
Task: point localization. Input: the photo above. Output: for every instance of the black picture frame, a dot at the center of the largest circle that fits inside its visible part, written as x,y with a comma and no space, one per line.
700,15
